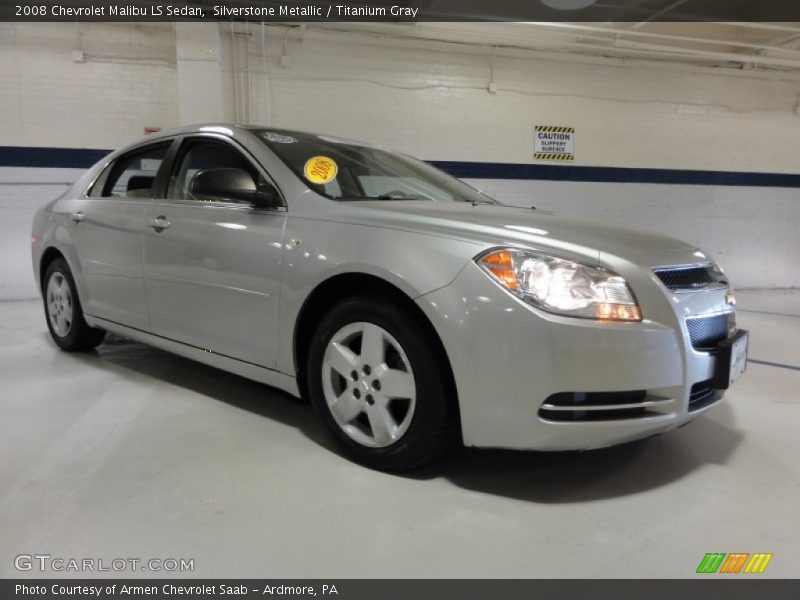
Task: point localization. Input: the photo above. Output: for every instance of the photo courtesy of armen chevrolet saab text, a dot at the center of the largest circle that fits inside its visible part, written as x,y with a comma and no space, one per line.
414,312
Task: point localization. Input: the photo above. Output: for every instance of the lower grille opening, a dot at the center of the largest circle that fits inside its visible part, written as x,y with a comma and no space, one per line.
596,398
706,332
599,406
703,394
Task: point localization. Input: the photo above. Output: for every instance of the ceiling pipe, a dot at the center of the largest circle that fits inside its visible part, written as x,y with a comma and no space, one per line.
754,25
431,32
747,59
652,35
784,41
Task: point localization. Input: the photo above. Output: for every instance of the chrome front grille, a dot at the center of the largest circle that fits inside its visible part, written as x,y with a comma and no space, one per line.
706,332
691,278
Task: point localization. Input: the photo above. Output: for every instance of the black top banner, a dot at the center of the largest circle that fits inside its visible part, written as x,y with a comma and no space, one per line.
400,11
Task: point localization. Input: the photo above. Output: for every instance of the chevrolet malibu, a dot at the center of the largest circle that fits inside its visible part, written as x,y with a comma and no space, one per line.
412,310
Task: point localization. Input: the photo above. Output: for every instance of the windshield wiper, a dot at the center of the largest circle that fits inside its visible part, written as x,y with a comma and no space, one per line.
381,197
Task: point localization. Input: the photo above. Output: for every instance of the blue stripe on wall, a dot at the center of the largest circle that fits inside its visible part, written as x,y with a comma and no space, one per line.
475,170
52,158
81,158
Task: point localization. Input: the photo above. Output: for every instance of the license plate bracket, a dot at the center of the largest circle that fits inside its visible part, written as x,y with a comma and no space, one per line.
731,359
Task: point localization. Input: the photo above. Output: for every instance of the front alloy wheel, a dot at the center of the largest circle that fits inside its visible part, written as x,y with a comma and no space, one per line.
369,384
378,377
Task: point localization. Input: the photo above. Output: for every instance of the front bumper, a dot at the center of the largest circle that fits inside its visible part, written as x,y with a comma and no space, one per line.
509,358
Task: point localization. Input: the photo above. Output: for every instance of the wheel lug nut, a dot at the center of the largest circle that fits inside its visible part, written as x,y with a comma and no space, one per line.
376,384
367,370
370,399
357,393
354,375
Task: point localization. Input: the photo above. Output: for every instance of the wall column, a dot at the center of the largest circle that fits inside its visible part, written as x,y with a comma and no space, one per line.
201,78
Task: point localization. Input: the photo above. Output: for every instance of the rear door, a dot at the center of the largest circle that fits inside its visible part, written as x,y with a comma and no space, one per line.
107,231
212,265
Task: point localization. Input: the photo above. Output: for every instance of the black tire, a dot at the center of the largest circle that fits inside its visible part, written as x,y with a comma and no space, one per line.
79,337
433,426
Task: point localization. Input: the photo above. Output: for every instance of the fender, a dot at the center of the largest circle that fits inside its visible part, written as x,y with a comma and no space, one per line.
313,255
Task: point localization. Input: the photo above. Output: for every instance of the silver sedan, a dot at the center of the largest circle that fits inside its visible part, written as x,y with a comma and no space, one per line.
413,311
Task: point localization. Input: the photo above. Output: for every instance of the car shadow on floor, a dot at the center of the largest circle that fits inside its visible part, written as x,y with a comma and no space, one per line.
565,477
544,477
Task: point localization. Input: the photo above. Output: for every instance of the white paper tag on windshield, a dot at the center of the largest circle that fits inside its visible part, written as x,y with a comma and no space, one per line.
271,136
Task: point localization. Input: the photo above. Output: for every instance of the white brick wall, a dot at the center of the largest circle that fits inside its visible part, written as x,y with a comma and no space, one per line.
430,100
128,82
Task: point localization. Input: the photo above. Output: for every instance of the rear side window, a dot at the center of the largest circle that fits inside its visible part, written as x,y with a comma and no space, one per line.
132,175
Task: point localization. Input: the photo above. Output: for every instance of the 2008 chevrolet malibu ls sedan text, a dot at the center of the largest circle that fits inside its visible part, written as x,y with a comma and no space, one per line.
411,309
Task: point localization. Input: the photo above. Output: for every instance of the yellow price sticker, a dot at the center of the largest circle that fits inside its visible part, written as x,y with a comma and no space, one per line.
320,169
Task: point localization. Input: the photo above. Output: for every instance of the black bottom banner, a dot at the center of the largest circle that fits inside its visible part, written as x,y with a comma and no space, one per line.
387,589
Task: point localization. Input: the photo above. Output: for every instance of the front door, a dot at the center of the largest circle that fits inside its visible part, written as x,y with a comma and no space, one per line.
212,264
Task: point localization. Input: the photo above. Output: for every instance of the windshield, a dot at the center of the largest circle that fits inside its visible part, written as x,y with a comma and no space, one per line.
346,170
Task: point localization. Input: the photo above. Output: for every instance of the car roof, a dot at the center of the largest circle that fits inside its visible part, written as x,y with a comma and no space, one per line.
234,130
230,129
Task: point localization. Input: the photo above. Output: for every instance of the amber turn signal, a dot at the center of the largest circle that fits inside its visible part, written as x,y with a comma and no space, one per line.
501,265
618,312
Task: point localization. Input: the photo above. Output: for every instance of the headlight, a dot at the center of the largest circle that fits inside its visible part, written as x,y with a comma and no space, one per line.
562,286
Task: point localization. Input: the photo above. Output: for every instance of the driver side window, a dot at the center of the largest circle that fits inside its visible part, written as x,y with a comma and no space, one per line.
200,156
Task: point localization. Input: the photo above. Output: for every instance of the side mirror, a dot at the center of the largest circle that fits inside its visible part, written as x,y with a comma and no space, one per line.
233,184
266,196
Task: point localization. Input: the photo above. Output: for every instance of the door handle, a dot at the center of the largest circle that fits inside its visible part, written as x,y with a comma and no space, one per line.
160,223
77,217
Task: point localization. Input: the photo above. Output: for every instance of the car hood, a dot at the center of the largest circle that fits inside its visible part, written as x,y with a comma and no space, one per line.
495,225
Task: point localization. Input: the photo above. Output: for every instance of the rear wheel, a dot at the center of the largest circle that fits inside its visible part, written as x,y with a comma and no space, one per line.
378,381
63,310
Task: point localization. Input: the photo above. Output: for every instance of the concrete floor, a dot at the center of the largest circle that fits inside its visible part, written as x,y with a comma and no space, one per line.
134,453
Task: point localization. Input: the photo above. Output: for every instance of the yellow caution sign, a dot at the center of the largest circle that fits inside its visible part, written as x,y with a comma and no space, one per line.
550,129
553,142
552,156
